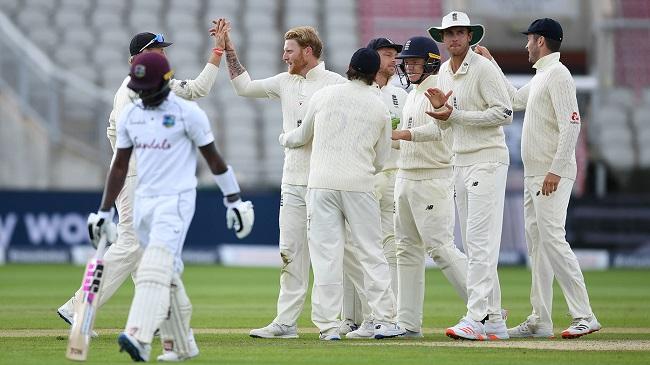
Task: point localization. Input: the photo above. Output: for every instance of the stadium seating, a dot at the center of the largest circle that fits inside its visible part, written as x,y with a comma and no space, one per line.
91,38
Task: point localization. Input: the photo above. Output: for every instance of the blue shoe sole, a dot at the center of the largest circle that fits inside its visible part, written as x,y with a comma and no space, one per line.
126,345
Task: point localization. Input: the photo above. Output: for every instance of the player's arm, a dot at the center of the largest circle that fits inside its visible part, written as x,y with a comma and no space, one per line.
383,145
239,214
305,132
565,106
202,84
519,97
493,91
115,178
241,80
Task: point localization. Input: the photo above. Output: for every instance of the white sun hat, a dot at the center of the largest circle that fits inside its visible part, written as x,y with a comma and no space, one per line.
458,19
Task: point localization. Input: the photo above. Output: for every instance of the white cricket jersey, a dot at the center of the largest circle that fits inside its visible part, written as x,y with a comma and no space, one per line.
294,92
165,141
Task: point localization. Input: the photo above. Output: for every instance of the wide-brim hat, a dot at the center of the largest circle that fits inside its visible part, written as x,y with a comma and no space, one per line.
458,19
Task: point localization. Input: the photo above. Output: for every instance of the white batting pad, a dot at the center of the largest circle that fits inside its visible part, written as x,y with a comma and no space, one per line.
152,293
175,328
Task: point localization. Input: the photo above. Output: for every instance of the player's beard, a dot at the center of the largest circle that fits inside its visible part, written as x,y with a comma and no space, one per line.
387,72
297,65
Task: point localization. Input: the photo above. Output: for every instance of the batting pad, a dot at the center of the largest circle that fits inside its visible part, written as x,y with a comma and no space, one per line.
175,328
152,293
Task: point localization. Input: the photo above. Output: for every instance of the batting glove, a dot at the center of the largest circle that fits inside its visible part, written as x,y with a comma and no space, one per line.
101,224
240,217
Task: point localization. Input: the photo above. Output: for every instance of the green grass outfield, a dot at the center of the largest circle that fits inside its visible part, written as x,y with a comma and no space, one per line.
230,301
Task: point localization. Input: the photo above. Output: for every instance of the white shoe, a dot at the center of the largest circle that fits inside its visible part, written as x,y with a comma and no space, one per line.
387,330
496,329
169,355
275,330
581,326
329,336
530,328
137,350
67,314
347,326
411,334
467,329
365,331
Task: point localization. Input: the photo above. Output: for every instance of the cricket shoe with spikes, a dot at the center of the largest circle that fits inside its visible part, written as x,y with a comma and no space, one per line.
138,351
347,326
531,328
467,329
169,355
365,331
580,327
275,330
387,330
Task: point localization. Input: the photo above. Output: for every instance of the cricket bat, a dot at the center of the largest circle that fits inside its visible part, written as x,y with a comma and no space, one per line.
84,313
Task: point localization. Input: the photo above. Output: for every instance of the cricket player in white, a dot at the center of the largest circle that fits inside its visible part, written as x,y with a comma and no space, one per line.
350,127
164,131
305,74
123,256
355,309
549,136
424,192
476,112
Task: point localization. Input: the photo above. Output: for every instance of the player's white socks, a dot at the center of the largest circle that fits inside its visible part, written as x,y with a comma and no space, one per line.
152,293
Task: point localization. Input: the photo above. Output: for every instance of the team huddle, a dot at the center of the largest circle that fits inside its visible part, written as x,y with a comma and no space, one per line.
373,178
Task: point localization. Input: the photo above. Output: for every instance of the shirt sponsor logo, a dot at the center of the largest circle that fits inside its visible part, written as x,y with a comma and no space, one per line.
153,145
395,101
575,118
409,125
507,113
299,122
169,120
429,207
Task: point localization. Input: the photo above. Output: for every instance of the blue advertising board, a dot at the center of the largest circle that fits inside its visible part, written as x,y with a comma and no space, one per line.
43,226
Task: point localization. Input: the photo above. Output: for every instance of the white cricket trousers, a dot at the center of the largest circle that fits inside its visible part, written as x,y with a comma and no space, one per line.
328,211
480,195
424,224
354,301
161,223
294,276
550,253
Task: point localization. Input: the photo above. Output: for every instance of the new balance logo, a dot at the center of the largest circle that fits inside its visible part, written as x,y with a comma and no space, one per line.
475,183
429,207
299,122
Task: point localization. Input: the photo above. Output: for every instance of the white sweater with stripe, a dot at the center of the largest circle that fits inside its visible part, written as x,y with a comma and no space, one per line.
350,128
552,119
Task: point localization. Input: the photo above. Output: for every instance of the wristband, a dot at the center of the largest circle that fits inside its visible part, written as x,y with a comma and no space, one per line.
227,182
217,51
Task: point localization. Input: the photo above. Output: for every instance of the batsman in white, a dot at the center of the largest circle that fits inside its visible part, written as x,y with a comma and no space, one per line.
164,131
305,74
549,136
122,257
424,191
349,127
355,306
476,113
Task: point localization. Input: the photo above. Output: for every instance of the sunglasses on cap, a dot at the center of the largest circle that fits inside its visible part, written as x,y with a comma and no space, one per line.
157,39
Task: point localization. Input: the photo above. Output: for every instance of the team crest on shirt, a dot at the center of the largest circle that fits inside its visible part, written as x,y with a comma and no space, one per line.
169,120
